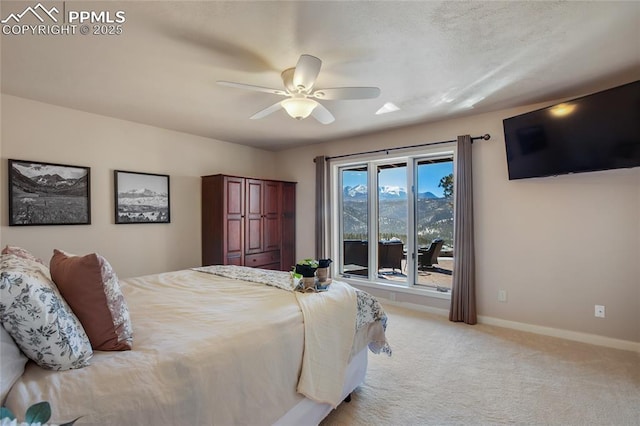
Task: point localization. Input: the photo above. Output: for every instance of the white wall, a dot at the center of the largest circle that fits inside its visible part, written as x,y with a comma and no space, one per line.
41,132
557,245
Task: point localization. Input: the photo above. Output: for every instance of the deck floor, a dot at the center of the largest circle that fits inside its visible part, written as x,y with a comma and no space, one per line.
440,276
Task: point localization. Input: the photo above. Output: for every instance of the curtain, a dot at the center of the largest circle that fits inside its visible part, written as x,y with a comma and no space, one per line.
463,293
321,227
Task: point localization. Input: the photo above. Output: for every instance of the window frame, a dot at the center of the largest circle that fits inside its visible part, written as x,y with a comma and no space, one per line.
411,158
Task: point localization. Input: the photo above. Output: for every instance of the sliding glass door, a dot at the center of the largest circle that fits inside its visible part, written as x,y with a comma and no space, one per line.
434,222
354,220
392,201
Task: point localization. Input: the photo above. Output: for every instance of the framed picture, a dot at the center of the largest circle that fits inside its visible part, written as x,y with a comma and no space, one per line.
48,194
141,197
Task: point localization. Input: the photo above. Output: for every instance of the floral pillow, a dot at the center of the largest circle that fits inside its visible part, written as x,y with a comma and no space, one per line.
90,286
20,252
38,318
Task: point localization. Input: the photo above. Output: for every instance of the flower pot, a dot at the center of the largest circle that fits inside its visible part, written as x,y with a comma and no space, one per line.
306,270
322,274
308,282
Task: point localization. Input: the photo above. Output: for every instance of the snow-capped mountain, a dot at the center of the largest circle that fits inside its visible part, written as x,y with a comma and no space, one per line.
48,184
48,180
392,192
140,193
356,192
388,192
142,197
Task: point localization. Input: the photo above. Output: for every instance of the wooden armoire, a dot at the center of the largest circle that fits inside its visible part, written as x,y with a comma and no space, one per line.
248,222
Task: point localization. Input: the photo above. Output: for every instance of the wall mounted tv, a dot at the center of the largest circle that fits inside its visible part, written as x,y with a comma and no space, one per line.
595,132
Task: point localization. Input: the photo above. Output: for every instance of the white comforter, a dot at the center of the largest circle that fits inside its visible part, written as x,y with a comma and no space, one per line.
207,350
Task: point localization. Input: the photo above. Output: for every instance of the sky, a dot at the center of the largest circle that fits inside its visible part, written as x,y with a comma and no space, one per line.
129,181
428,177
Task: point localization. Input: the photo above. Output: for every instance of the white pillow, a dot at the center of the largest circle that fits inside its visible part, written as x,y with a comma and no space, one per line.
38,318
12,365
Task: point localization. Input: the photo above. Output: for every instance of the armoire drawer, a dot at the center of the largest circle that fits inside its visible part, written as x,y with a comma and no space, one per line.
260,259
271,266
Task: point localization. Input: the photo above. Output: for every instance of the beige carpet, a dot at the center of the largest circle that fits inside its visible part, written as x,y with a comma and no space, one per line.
443,373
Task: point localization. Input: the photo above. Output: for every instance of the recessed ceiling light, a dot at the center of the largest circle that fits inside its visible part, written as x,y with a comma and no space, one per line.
388,107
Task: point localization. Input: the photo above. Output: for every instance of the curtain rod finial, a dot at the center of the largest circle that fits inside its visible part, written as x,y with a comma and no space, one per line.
484,137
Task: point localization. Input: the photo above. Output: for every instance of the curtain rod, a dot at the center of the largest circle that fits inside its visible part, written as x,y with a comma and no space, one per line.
485,137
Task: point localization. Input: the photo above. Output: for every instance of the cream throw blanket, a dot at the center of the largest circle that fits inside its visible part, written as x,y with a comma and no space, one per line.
329,329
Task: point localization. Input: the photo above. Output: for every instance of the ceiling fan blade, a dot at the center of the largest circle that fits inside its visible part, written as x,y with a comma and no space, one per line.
252,87
347,93
306,72
268,110
322,114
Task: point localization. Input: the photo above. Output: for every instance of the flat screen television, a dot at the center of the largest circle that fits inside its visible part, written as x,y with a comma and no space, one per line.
595,132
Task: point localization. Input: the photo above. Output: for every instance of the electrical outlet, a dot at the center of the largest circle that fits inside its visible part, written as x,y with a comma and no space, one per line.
392,296
502,295
600,311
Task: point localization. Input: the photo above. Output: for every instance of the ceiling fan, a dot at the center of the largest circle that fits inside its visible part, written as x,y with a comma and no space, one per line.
301,95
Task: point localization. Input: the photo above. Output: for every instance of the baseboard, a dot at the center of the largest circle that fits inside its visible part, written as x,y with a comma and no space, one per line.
576,336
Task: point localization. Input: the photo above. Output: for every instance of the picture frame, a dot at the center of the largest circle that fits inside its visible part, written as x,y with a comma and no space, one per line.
48,194
141,197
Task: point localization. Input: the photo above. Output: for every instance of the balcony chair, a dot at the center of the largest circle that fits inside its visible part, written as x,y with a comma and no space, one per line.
390,255
356,253
429,256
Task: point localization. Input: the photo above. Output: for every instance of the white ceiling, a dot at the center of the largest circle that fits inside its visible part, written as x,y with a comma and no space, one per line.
432,59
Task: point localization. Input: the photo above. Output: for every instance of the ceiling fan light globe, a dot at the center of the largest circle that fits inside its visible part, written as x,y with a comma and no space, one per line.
299,108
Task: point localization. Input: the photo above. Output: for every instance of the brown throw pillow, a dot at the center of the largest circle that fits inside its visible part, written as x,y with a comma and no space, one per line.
91,288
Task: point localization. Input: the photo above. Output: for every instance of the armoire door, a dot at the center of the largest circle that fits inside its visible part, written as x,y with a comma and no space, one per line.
253,217
271,215
288,226
234,221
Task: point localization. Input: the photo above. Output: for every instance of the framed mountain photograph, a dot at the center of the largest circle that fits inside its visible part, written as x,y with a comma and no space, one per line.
141,197
48,194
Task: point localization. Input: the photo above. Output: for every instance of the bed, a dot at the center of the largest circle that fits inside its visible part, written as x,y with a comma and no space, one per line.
218,346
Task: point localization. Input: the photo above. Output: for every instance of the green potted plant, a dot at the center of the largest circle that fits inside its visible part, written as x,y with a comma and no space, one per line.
307,268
